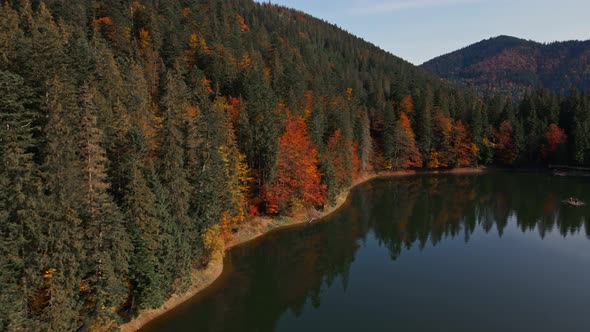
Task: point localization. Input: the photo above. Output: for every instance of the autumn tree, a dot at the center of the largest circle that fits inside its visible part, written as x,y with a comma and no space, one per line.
405,151
505,147
442,153
555,138
297,181
407,105
463,145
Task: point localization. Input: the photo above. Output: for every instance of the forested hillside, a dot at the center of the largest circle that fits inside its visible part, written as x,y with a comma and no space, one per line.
136,135
512,66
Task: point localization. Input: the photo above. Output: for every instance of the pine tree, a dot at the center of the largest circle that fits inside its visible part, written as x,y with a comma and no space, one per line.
63,183
424,131
144,228
389,136
258,136
171,161
20,190
363,139
106,243
47,52
10,35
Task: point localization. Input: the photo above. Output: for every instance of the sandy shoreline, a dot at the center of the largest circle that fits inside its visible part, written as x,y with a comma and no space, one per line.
258,227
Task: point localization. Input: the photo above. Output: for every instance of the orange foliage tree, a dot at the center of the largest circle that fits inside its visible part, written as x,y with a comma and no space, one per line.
442,154
242,23
405,153
297,179
144,40
407,105
106,27
555,137
465,150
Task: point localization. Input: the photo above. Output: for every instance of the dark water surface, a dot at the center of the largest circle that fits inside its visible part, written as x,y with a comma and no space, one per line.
492,252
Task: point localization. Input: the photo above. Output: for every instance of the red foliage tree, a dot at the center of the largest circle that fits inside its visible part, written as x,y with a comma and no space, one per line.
555,136
298,177
505,147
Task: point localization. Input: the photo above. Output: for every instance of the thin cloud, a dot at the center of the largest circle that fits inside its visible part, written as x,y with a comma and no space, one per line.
371,7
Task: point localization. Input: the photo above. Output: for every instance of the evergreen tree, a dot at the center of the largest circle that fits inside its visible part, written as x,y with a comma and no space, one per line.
144,228
63,180
107,245
171,160
424,121
20,191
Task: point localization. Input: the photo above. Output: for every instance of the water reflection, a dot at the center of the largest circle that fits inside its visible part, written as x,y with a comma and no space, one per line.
291,270
431,208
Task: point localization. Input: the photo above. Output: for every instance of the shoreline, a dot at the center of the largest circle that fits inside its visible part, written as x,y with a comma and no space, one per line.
260,226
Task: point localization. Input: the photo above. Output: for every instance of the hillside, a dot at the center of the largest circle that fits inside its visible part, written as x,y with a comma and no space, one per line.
510,65
136,136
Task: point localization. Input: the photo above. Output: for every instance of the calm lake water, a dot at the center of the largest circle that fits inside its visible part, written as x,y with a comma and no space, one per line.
492,252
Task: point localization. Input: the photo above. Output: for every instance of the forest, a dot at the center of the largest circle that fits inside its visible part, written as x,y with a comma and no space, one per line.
135,136
511,66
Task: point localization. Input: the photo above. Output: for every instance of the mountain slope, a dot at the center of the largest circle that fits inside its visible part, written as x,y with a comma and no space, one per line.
510,65
137,136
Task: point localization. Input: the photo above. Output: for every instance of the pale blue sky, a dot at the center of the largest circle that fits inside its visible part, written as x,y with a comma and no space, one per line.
418,30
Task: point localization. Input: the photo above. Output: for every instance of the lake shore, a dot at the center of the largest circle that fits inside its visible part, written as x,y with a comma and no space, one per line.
260,226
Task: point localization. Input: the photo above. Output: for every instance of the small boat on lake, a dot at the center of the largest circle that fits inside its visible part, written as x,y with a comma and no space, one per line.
574,202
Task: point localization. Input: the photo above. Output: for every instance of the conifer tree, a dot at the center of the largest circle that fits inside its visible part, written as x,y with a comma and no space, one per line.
63,183
20,190
171,161
107,245
144,228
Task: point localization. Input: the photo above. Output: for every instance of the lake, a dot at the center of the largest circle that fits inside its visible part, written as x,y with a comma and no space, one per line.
489,252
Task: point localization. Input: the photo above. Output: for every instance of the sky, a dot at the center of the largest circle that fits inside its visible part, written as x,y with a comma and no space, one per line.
419,30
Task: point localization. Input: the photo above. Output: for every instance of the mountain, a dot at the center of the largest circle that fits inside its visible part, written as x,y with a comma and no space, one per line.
511,65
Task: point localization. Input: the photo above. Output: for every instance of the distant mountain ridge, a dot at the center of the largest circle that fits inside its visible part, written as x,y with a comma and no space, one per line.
510,65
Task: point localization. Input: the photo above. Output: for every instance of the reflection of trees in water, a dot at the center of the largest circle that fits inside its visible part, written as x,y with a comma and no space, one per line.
413,211
280,272
429,208
285,270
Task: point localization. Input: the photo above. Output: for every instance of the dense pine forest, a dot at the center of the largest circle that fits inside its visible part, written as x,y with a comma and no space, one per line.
135,136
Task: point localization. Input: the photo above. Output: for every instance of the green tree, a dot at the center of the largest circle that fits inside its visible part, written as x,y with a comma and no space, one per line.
20,190
106,242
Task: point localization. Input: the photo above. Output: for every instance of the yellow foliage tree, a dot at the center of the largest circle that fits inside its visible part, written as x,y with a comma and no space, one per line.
214,243
237,180
433,160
